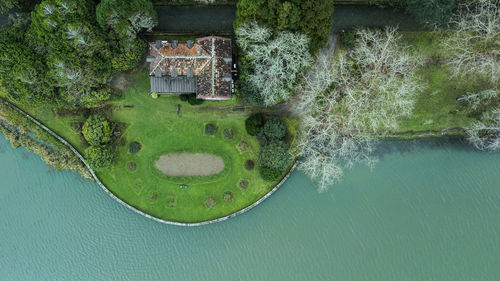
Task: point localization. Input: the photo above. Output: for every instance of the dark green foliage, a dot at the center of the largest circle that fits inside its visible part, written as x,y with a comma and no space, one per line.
131,166
124,19
274,129
254,123
227,134
134,147
249,165
431,12
184,97
274,155
210,129
99,156
270,174
192,100
313,18
23,5
348,38
97,130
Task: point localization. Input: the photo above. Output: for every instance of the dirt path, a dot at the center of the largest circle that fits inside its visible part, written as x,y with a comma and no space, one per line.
189,164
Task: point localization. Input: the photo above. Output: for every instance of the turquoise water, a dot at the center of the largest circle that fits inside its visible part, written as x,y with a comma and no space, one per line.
428,211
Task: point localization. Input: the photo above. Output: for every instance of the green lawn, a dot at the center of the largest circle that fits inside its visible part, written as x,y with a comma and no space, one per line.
155,124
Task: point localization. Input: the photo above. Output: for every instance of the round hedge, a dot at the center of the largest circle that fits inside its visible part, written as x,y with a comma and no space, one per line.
192,100
228,134
134,147
210,129
274,129
243,184
243,145
228,196
210,202
254,123
249,165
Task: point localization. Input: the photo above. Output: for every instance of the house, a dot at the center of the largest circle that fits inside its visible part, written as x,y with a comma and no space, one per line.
202,67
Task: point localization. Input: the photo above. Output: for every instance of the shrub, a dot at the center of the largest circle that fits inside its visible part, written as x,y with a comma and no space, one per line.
210,202
154,95
171,202
210,129
254,123
432,12
132,166
97,130
192,100
134,147
249,165
274,129
243,184
270,174
228,196
243,145
274,155
227,134
183,97
348,38
99,156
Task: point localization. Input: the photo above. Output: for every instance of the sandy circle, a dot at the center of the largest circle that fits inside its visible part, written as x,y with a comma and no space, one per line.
189,164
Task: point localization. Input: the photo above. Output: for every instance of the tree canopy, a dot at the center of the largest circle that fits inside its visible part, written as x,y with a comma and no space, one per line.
97,130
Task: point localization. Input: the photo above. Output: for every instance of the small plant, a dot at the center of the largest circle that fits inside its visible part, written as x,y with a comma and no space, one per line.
243,184
243,145
210,202
210,129
192,100
184,97
154,95
131,166
134,147
153,197
171,202
228,196
249,165
348,38
228,134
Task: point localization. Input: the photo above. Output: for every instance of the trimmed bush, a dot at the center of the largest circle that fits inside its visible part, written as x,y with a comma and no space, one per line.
210,129
134,147
243,145
184,97
131,166
270,174
227,134
254,123
154,95
97,130
99,156
192,100
274,129
249,165
228,196
210,202
274,155
243,184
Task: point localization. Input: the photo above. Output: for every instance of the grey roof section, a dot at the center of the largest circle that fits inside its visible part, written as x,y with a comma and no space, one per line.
158,72
158,44
150,58
190,44
167,84
190,72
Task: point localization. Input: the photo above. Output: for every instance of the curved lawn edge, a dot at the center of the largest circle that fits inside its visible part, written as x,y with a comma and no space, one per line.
137,211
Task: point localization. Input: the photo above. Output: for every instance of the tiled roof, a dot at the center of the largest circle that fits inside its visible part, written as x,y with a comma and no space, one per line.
209,60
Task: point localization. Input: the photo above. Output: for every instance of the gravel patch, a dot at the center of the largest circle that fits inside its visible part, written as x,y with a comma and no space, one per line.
189,164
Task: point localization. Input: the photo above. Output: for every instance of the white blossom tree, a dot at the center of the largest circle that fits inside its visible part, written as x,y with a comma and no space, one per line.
485,134
347,98
276,62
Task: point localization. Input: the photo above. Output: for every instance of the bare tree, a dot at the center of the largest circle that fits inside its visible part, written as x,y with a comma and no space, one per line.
347,98
485,134
276,62
474,45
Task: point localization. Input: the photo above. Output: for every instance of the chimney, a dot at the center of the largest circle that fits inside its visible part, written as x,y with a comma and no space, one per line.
190,73
173,73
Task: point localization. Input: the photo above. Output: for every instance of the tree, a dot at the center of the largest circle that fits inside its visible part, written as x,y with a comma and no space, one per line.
124,19
75,50
99,156
24,5
347,97
485,133
274,129
97,130
431,12
274,64
274,155
254,123
472,47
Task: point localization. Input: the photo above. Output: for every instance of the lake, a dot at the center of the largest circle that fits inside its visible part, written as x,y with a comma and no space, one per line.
430,210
